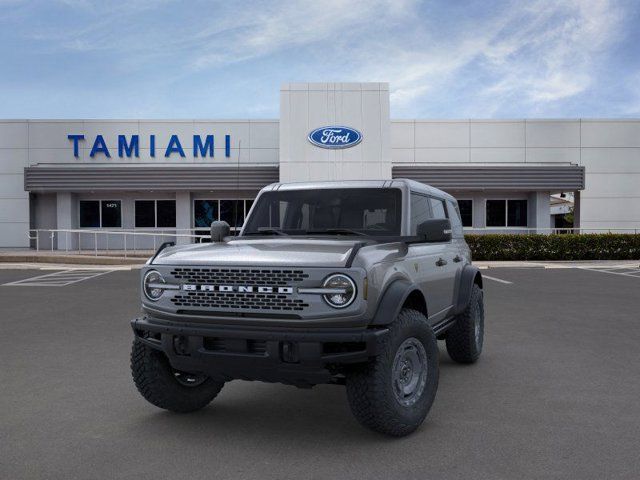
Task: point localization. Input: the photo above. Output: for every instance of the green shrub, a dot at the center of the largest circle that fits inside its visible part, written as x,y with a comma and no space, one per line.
588,246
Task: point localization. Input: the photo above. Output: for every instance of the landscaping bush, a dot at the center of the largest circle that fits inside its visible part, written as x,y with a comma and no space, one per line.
588,246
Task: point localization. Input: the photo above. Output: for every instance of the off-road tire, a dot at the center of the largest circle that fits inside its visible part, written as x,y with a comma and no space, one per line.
461,341
155,380
370,387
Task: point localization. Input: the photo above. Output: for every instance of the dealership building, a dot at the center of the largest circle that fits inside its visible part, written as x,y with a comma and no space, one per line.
179,175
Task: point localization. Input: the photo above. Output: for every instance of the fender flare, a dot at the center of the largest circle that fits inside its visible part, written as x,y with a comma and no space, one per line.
392,300
467,278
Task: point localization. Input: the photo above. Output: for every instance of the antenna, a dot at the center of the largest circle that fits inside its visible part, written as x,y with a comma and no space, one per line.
236,205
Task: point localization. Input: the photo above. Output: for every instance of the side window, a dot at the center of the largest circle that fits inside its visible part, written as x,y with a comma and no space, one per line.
420,211
454,216
437,207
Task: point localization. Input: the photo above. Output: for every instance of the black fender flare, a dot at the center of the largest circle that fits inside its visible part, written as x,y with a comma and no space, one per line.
392,301
467,278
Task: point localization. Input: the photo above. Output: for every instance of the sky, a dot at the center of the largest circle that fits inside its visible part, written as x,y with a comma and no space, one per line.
208,59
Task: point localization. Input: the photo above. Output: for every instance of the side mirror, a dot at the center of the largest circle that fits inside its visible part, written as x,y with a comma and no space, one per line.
219,230
435,230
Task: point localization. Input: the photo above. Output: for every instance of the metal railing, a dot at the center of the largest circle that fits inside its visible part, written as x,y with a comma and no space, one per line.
102,241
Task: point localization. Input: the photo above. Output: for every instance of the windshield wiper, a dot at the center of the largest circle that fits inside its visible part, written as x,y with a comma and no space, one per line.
338,231
267,231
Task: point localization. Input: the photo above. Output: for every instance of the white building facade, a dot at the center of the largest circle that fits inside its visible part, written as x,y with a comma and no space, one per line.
179,175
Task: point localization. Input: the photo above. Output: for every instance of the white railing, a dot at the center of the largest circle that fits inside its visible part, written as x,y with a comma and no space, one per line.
525,230
102,241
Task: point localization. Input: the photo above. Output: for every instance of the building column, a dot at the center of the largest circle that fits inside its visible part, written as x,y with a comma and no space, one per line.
66,219
576,209
539,211
183,216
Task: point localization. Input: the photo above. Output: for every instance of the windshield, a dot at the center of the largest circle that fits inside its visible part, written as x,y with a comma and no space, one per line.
335,211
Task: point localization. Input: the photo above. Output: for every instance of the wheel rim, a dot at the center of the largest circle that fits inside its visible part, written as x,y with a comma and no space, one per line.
189,379
409,372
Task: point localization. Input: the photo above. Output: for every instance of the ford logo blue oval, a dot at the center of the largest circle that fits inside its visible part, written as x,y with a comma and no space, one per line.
335,137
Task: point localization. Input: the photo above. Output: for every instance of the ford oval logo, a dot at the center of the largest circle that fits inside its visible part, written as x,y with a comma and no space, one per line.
335,137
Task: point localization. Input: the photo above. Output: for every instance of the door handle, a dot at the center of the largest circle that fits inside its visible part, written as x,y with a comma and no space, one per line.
441,262
457,258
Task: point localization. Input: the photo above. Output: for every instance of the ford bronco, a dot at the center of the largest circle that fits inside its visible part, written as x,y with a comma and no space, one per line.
349,283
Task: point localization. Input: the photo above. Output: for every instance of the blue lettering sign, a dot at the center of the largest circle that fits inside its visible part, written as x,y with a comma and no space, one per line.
203,149
99,146
128,149
152,146
227,145
335,137
174,147
75,139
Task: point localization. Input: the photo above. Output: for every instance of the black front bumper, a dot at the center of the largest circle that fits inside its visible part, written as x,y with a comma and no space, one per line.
295,356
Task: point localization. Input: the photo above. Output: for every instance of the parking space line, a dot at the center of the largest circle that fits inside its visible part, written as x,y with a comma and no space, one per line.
59,279
634,273
499,280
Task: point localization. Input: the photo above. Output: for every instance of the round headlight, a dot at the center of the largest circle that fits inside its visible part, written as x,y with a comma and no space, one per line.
344,290
151,285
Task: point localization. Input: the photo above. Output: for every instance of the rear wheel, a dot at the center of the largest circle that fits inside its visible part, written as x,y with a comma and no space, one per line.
165,387
465,338
393,393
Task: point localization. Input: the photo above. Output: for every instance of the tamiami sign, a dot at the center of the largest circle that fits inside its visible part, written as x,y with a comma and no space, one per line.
129,146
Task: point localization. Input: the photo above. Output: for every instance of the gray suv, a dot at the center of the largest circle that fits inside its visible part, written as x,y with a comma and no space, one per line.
349,283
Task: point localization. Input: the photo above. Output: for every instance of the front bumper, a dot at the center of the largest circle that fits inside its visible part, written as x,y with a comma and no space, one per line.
298,356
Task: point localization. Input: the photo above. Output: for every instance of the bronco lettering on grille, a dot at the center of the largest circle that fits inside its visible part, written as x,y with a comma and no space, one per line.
237,288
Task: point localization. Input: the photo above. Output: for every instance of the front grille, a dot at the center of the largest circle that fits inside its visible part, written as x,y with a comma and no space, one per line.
239,276
234,300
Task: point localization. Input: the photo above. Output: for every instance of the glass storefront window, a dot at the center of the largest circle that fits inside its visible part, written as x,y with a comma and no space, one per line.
155,213
466,212
507,213
100,213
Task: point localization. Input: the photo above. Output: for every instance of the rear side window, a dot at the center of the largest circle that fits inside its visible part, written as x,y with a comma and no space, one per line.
420,211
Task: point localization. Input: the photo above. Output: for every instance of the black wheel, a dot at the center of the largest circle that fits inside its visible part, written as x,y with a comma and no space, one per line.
393,393
165,387
464,340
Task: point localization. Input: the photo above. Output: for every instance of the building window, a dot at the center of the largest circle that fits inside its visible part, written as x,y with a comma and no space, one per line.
100,214
155,213
506,213
466,212
231,211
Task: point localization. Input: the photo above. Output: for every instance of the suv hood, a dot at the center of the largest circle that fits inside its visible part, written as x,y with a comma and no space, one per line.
268,252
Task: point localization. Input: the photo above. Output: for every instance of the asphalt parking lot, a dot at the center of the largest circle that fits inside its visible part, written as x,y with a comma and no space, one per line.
555,395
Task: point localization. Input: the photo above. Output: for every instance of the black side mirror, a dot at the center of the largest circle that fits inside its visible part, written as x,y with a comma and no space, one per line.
435,230
219,230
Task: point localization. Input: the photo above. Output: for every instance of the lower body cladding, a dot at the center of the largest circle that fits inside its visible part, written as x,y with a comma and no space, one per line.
297,357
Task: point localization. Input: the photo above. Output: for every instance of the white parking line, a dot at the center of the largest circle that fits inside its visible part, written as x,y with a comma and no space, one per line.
611,270
59,279
499,280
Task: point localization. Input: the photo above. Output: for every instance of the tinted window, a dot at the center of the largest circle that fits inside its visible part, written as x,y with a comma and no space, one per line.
111,213
166,213
437,208
496,213
466,212
372,211
517,213
90,214
420,211
145,213
232,212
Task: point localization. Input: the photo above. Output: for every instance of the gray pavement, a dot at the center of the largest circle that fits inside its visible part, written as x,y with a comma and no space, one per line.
555,395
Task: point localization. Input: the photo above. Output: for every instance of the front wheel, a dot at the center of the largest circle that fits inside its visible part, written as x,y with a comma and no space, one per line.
166,387
393,393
